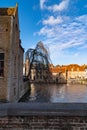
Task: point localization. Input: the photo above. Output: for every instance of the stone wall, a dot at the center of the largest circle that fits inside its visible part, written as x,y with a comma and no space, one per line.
43,123
43,116
5,28
11,83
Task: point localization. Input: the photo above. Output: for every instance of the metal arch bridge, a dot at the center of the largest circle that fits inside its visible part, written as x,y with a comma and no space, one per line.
38,59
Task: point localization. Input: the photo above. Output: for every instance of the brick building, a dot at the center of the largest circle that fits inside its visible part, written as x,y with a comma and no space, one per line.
11,55
66,72
76,71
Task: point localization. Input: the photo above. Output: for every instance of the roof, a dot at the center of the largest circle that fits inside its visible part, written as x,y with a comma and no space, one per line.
75,67
64,68
58,70
8,11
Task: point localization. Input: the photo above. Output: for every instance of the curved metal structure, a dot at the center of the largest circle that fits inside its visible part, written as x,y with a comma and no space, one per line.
38,61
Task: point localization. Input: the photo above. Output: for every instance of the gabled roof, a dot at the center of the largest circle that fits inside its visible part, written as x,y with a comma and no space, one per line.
8,11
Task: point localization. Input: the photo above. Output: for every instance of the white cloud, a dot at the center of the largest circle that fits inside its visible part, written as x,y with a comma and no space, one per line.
76,54
82,19
42,6
59,7
46,32
66,35
83,47
63,33
52,21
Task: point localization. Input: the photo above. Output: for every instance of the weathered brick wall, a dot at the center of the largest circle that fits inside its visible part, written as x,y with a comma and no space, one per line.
43,123
43,116
9,45
11,85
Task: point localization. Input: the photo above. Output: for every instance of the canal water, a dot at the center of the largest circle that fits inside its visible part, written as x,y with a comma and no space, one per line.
56,93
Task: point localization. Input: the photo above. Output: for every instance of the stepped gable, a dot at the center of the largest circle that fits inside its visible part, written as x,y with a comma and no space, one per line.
8,11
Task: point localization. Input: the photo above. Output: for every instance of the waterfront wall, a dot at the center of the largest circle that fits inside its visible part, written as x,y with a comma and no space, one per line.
43,116
23,90
77,81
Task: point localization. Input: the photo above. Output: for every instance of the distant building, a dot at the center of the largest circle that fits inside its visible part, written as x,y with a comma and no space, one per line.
59,74
11,55
66,72
76,71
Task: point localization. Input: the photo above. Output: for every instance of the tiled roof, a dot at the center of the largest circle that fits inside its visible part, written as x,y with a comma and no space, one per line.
57,70
75,67
64,68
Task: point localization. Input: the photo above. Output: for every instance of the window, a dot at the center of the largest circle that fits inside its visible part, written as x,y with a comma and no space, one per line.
14,91
1,64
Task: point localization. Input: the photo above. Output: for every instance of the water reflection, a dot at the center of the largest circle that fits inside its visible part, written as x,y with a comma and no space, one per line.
33,93
57,93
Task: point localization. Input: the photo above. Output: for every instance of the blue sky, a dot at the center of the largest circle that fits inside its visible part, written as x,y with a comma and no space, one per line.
60,24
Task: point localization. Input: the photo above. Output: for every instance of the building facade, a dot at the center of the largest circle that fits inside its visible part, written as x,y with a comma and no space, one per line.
11,55
68,72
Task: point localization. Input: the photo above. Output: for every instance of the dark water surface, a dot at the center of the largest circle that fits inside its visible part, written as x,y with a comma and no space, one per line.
56,93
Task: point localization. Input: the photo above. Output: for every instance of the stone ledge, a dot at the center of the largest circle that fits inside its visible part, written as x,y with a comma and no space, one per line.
45,109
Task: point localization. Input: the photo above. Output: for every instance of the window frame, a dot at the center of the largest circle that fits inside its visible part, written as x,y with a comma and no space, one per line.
2,64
